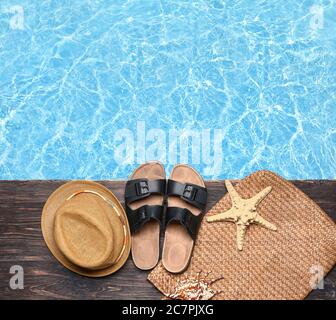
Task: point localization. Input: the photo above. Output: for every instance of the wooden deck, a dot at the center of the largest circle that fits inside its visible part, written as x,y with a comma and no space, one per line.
21,243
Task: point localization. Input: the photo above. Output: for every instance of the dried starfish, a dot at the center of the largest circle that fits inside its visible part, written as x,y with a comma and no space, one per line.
194,288
243,212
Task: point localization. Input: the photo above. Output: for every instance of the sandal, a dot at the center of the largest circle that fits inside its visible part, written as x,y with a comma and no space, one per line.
144,197
187,196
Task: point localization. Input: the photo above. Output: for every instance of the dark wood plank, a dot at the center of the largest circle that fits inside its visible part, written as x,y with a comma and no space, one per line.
21,243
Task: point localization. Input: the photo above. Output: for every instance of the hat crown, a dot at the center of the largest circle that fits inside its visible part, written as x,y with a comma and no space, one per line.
83,232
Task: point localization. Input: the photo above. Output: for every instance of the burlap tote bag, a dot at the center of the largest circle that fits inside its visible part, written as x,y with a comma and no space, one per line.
273,264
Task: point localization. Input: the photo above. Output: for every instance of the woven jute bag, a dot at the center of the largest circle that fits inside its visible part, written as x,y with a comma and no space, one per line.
273,264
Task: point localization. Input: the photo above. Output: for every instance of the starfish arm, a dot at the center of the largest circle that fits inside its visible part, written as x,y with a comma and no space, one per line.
241,230
263,222
261,195
235,197
227,215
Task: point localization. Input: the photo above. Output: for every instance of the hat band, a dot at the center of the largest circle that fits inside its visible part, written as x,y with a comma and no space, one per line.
121,217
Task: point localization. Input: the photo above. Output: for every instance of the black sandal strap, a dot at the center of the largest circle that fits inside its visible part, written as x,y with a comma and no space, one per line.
142,188
185,218
191,193
138,217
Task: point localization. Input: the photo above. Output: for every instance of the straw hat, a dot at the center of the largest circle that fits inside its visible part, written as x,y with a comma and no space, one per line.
86,229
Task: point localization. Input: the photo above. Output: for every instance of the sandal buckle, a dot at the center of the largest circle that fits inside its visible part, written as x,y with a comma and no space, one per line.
142,188
142,213
189,193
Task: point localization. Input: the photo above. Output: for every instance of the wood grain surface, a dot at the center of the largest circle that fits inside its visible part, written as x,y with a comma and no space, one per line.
21,243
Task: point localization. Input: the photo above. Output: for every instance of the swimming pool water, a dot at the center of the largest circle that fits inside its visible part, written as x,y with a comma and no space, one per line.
90,89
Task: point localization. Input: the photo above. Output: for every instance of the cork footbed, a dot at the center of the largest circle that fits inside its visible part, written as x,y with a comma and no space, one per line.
178,244
146,241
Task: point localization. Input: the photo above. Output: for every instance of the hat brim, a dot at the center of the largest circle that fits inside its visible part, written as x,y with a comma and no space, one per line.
50,208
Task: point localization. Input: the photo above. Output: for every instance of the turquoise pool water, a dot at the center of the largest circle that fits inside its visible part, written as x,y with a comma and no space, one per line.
90,89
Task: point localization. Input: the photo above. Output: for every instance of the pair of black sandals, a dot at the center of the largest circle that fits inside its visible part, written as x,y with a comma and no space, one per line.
176,205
